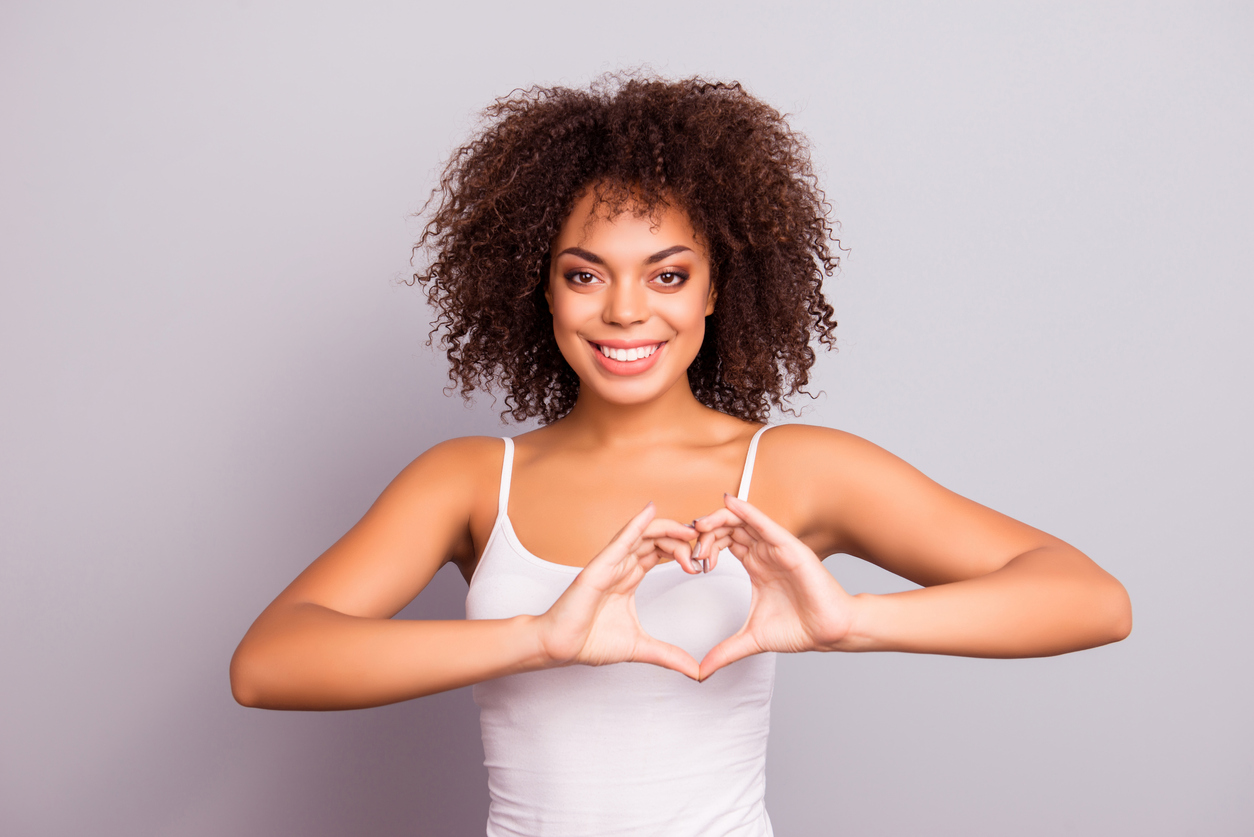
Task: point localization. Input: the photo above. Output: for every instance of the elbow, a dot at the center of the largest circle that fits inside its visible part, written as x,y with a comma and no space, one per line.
244,686
1124,622
1117,623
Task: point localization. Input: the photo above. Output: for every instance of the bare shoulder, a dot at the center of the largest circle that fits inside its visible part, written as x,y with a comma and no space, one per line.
809,452
819,481
463,463
840,493
424,519
791,437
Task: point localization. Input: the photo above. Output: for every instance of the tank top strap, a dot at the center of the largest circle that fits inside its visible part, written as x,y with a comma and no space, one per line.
507,469
743,492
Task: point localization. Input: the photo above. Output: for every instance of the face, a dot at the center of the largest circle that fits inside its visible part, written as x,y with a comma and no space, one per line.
629,297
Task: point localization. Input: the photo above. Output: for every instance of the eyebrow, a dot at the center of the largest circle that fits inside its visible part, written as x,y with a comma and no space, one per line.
654,259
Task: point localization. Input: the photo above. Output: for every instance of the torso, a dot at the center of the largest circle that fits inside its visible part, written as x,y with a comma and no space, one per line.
568,502
612,750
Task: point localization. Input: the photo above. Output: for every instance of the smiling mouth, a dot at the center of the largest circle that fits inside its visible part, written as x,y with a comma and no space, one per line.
628,355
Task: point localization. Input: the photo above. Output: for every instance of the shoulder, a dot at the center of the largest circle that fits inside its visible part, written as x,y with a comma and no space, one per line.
464,463
807,443
810,457
818,479
448,493
462,451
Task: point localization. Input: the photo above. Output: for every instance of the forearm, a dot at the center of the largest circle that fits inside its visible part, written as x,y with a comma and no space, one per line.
1048,601
306,656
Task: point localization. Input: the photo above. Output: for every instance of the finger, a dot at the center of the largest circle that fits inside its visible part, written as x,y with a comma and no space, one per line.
673,540
664,527
720,518
744,536
768,529
721,542
646,556
678,550
713,543
629,535
650,650
709,549
735,647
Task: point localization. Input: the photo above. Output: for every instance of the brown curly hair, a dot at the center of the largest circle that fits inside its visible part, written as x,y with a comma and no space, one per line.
728,160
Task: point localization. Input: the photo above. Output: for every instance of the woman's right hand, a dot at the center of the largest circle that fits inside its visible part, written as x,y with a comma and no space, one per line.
594,621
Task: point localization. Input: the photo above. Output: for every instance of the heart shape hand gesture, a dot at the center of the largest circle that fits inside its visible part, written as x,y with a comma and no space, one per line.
594,621
796,605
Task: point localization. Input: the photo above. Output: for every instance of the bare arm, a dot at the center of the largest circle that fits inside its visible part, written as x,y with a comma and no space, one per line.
993,587
306,656
1049,600
328,640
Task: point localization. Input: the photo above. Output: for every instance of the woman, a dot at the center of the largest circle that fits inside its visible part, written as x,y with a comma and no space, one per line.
640,266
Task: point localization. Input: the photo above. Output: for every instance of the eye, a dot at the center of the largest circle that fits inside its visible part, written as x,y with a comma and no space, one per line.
582,278
671,278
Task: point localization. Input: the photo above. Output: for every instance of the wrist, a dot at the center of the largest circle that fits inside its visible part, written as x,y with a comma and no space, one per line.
541,651
860,636
534,654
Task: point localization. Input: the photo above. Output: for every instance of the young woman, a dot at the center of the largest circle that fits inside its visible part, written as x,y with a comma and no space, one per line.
640,266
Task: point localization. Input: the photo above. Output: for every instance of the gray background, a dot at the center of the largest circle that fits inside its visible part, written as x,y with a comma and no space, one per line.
210,369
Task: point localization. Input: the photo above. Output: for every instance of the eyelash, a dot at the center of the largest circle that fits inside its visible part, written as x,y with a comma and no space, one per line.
679,275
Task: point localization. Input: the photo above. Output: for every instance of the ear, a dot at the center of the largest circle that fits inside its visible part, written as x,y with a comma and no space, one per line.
548,294
709,303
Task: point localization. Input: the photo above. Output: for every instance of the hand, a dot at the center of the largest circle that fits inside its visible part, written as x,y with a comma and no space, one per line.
796,604
594,622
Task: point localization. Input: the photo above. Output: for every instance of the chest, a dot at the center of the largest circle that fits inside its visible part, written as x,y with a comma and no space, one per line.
566,510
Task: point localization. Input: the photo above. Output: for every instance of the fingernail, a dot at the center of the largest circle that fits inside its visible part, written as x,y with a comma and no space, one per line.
705,566
696,551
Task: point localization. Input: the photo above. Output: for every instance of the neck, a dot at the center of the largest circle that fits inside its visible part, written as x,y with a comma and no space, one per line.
672,418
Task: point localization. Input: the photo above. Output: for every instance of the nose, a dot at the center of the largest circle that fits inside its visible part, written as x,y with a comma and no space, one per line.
626,304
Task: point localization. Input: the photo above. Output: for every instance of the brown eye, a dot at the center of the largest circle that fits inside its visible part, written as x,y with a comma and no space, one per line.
671,279
581,277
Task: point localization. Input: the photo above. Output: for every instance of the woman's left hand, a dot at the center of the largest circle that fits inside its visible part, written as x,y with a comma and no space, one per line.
796,604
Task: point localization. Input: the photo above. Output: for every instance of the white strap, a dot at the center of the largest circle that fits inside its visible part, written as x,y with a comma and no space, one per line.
747,477
507,470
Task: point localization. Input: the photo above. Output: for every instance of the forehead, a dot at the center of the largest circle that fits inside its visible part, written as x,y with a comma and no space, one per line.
624,223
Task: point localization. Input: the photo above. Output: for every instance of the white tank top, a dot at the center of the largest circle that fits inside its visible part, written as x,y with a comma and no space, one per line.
632,748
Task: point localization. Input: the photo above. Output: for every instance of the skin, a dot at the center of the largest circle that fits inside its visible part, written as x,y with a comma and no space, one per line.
992,586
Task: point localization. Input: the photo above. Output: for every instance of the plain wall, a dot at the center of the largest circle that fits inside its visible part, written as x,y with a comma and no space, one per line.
209,368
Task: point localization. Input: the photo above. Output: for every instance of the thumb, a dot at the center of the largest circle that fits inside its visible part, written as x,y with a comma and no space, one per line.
650,650
736,647
635,528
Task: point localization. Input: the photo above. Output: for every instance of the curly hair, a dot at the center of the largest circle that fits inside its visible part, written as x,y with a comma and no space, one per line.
726,159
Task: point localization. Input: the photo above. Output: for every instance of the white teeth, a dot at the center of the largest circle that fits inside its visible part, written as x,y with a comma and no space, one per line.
628,355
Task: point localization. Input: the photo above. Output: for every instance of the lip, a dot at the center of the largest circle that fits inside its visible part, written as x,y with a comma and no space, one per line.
625,344
627,367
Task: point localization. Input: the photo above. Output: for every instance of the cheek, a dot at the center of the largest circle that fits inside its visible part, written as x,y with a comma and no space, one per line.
687,315
565,310
570,313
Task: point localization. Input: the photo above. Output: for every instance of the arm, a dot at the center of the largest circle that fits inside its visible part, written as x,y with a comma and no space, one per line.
1050,600
993,587
328,640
